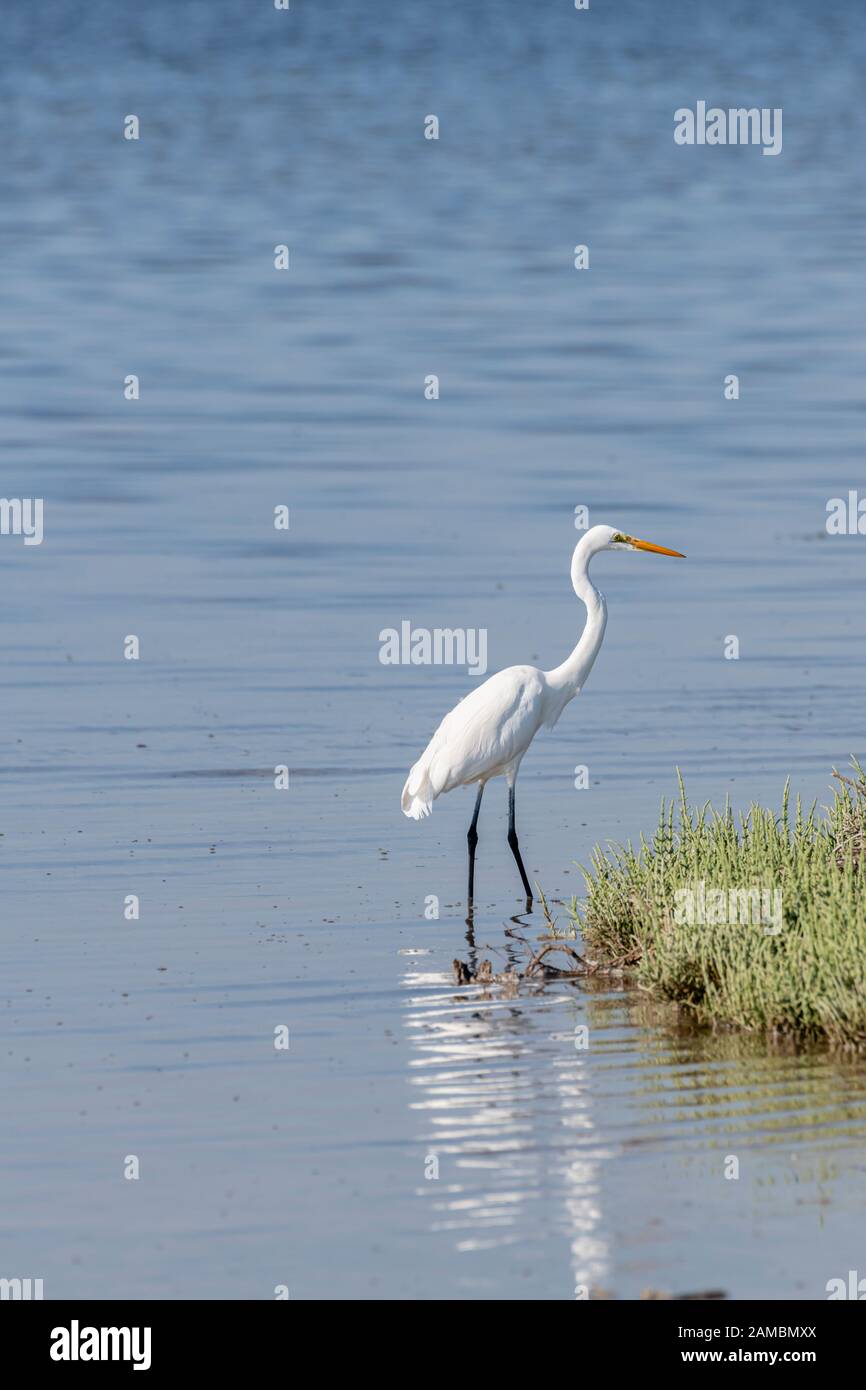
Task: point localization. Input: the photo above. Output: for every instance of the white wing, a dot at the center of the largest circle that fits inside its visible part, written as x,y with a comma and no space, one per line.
479,738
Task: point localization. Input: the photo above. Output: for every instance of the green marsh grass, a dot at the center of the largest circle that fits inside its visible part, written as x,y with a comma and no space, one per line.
800,970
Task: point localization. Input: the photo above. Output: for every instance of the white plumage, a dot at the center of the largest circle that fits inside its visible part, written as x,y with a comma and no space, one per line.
484,736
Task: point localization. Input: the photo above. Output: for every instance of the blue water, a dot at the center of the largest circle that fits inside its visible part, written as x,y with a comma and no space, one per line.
559,388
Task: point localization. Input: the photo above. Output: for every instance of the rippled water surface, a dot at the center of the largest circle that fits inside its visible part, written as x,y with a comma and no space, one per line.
557,1166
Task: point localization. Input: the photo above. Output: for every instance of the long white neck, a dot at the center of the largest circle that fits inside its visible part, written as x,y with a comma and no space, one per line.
566,680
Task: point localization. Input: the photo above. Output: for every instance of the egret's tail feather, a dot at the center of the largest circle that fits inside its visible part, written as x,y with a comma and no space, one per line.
418,794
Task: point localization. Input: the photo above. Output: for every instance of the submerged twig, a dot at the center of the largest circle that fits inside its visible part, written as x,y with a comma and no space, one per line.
465,975
553,946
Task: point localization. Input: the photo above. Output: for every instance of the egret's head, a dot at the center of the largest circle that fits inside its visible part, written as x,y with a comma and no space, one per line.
619,540
599,538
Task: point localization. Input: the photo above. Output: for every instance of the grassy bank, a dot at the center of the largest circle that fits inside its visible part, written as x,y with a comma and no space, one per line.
757,921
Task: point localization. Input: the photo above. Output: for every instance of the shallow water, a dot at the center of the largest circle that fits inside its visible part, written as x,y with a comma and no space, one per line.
305,908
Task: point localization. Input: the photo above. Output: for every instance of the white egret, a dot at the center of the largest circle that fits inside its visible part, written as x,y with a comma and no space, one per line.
488,732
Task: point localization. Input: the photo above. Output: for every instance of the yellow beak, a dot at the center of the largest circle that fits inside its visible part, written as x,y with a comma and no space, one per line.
656,549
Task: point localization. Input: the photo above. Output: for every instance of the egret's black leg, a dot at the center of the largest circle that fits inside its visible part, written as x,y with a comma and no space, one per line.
515,848
472,841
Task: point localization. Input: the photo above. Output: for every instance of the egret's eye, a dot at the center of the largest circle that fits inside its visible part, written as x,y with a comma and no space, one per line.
620,539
